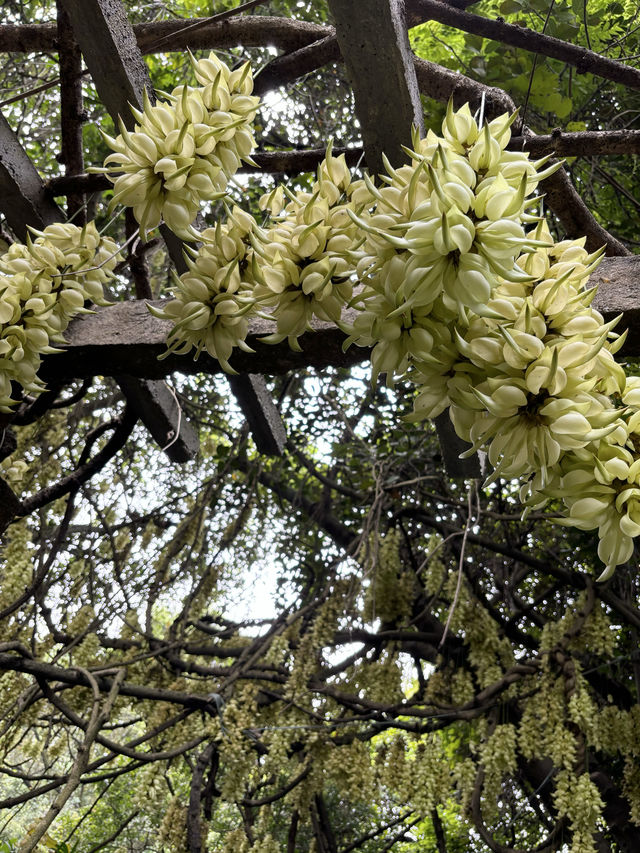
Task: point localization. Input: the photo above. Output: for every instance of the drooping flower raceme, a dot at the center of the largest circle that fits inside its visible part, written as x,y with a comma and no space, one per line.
290,270
183,150
43,285
493,321
301,270
213,299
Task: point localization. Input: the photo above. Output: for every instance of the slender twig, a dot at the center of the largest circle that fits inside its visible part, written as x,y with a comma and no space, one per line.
456,596
99,714
205,22
533,69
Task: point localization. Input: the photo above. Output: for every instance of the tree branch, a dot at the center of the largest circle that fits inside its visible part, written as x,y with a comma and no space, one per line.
576,218
84,472
377,831
585,61
194,831
172,36
123,749
99,715
72,677
586,143
10,505
291,66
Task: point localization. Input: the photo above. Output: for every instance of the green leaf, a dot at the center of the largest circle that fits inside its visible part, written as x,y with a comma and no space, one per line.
474,43
510,7
564,108
539,5
565,30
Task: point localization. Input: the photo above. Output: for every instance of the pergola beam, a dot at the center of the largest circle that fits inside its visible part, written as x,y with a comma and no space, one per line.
379,62
111,53
127,335
23,198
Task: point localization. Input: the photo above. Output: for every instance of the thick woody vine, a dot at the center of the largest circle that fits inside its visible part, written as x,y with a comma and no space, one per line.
458,285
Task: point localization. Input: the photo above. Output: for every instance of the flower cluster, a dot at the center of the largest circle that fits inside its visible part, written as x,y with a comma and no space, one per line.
441,234
463,292
212,301
43,285
578,799
294,269
467,295
537,385
302,271
184,149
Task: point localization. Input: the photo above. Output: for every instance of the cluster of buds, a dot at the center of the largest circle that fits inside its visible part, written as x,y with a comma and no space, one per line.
301,269
184,150
441,234
213,301
43,285
291,270
492,320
